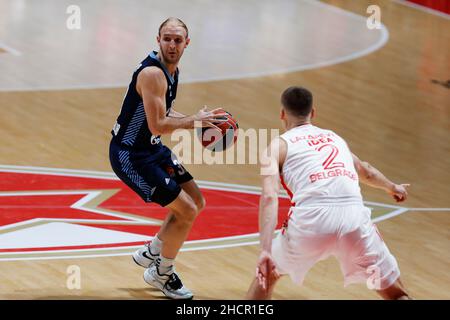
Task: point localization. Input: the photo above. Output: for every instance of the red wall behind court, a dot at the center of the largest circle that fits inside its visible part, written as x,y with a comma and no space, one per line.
439,5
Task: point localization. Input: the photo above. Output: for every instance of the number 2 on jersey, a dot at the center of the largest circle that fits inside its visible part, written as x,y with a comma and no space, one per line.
329,163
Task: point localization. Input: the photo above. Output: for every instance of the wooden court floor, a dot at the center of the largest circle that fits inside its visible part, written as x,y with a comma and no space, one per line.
384,104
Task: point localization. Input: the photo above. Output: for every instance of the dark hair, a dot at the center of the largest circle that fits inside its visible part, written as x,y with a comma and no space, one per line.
181,23
297,101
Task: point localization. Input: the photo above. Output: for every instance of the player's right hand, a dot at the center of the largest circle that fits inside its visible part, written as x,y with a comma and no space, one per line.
210,118
266,271
216,115
398,192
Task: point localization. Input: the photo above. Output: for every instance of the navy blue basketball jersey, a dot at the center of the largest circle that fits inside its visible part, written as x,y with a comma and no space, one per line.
131,129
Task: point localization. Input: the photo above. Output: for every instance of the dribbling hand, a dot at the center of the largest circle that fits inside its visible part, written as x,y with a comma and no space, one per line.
266,271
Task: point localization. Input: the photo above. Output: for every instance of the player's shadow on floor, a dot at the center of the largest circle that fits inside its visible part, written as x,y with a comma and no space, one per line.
131,294
144,293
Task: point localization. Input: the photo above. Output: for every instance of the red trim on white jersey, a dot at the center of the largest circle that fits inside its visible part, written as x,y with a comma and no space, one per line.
289,192
291,195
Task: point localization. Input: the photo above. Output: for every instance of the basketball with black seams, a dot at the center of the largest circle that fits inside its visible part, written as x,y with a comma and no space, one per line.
220,139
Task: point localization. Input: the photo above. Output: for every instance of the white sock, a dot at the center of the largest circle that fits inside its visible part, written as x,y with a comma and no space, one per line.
155,246
165,265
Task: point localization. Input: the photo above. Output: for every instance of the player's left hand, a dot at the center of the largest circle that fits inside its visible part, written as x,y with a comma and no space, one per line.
398,192
266,271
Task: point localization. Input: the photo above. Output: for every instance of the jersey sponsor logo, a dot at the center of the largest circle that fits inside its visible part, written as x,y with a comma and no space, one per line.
332,173
314,139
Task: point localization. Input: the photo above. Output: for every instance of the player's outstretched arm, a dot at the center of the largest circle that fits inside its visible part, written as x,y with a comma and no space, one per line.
152,86
271,160
373,177
268,210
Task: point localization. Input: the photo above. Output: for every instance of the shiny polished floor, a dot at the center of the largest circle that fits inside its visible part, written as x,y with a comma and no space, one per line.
60,93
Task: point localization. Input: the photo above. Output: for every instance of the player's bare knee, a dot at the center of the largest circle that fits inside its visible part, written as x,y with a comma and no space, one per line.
189,213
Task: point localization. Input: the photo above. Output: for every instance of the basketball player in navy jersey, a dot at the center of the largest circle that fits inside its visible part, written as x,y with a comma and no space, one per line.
148,167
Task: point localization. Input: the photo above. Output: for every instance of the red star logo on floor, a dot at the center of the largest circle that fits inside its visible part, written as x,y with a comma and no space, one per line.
68,213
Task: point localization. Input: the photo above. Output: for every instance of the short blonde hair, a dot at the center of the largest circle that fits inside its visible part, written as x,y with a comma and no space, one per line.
181,23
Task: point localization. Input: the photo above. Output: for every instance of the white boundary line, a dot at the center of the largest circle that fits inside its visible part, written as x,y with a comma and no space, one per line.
131,248
423,8
390,215
194,242
384,37
429,209
225,246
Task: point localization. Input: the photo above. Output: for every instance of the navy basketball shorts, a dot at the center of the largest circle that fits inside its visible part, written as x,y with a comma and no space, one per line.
154,176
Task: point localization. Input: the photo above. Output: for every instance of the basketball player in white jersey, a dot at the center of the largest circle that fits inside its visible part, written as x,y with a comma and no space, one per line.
327,216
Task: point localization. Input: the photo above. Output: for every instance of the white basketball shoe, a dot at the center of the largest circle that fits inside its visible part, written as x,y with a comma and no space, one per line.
144,257
169,284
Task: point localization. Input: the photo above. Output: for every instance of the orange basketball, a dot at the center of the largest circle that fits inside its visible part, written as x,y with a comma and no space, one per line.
215,140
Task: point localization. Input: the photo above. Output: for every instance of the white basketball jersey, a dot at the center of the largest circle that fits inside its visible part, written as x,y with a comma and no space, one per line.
319,169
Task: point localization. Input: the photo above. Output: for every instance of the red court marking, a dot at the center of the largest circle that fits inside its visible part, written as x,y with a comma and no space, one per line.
21,208
439,5
228,213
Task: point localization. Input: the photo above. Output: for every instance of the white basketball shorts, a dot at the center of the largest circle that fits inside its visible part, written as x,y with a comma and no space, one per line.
346,232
